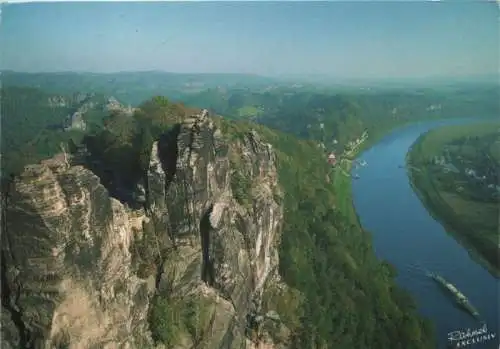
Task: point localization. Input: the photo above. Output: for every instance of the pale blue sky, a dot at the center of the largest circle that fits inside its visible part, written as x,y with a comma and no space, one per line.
355,39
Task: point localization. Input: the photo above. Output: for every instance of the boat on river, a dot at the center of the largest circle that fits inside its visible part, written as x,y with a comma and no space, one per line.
459,296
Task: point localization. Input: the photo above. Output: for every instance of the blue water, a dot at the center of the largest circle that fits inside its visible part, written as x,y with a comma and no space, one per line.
407,236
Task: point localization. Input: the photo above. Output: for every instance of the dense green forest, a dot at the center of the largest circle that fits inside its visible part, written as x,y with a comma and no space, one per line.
456,170
33,123
31,126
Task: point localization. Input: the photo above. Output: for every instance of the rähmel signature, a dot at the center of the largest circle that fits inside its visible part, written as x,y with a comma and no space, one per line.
463,338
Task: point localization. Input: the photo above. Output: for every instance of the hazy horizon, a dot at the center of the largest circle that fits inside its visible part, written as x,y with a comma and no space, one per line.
356,40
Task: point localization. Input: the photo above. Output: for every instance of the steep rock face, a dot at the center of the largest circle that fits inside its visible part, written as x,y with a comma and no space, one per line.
67,265
221,250
82,270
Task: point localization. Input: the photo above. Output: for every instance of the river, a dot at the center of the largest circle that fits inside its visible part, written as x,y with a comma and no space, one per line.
407,236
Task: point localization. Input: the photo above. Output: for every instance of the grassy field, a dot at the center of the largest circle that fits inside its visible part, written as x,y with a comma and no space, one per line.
473,222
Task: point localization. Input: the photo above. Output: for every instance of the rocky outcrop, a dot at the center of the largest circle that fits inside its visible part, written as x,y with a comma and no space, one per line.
224,251
58,102
87,103
67,266
80,269
75,121
112,104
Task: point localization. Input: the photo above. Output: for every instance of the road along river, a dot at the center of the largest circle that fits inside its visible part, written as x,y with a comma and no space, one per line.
406,235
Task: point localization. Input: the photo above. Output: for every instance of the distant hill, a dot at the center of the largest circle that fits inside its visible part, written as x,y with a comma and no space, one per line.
132,87
35,104
339,115
436,82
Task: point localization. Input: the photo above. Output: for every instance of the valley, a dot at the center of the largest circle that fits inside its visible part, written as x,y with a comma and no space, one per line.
324,273
250,175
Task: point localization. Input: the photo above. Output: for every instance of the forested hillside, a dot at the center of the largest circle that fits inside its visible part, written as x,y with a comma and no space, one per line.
325,116
30,118
35,123
333,116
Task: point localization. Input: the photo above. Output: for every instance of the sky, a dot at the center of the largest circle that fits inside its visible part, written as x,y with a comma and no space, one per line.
341,39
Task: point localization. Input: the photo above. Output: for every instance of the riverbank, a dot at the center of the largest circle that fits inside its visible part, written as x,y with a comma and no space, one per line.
342,173
463,219
405,235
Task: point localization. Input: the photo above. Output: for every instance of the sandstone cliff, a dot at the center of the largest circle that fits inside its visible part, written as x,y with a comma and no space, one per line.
80,269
